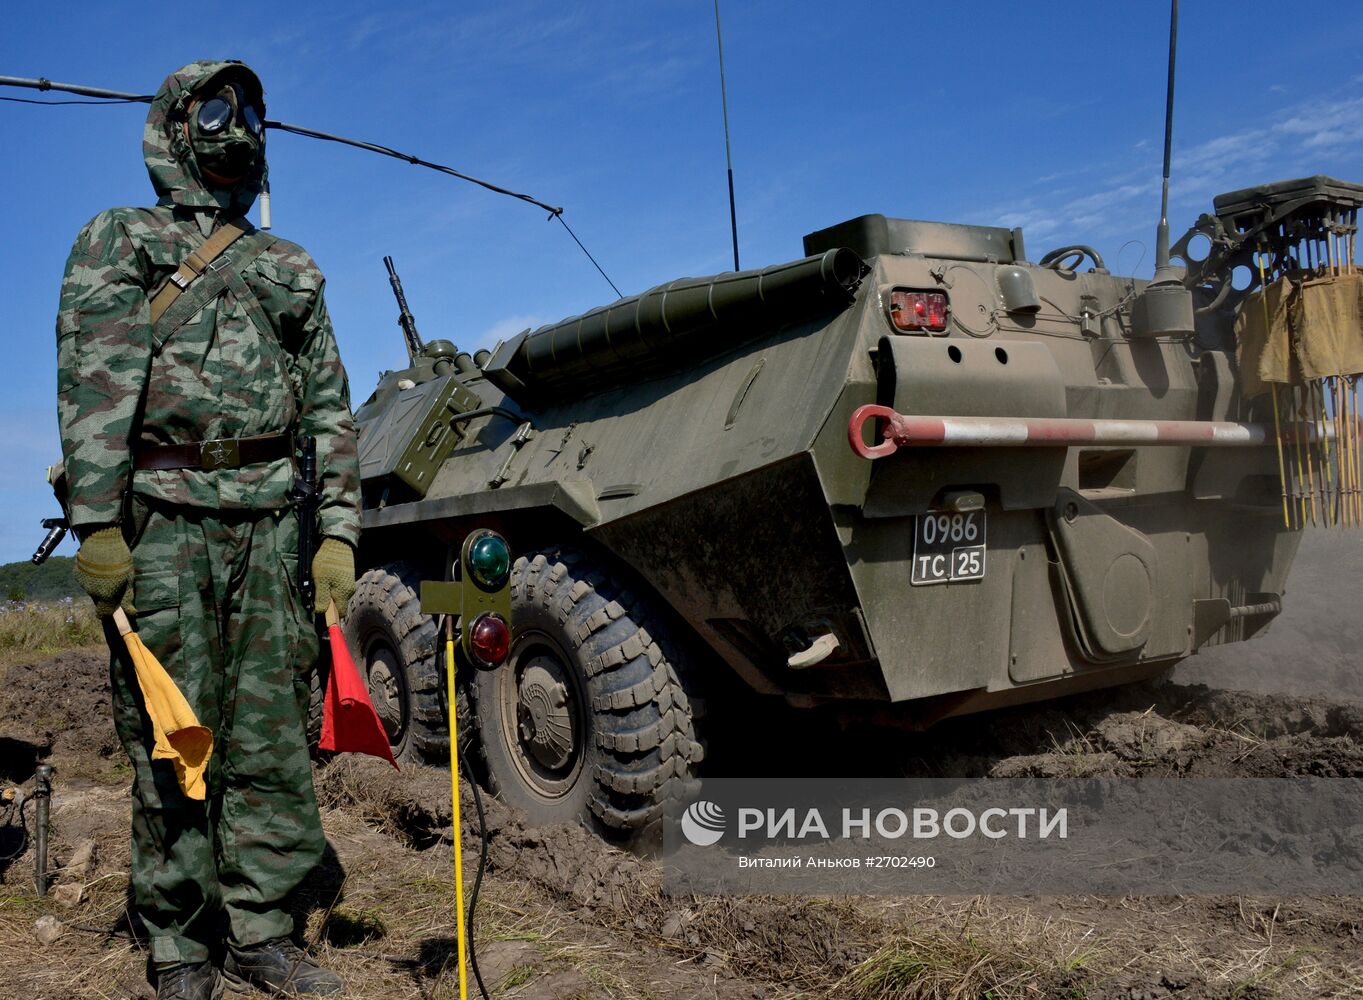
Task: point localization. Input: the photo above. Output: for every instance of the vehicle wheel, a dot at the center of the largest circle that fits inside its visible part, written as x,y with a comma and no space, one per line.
589,720
317,686
395,649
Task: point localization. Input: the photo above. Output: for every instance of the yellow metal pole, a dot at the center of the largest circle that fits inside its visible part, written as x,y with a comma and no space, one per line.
1342,448
1351,409
1304,457
1344,445
1282,468
1350,447
1341,453
1319,424
454,791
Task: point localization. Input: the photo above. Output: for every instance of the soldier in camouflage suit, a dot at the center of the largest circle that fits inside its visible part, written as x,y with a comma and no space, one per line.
201,539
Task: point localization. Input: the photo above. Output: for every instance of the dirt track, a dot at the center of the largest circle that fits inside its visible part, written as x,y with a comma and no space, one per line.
564,916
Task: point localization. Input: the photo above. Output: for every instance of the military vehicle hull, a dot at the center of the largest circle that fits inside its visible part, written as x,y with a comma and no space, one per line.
690,447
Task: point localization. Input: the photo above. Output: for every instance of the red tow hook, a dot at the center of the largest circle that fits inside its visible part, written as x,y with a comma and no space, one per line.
856,438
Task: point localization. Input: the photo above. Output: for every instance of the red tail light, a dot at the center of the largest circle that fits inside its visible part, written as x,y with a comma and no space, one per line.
490,639
919,310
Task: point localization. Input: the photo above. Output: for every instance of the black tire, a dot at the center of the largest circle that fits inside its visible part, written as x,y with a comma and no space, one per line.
317,685
395,648
589,721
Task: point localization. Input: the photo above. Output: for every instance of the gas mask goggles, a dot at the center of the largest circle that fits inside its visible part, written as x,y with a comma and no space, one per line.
226,133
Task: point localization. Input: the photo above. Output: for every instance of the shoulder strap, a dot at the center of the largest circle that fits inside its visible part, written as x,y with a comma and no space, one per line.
194,265
214,281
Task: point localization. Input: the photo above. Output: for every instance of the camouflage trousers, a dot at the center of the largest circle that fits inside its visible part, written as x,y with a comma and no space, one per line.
218,605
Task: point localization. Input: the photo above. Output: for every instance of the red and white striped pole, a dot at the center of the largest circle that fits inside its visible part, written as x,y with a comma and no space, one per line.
902,431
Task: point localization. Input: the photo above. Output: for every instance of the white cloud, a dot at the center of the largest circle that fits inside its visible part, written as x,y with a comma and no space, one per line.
1326,137
1288,143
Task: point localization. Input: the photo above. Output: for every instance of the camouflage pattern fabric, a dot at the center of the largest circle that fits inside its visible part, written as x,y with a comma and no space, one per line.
217,606
214,552
219,375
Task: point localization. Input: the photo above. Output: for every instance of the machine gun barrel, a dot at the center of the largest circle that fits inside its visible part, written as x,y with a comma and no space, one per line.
405,318
56,531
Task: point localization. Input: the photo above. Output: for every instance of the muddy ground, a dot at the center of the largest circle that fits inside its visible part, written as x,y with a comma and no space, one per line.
563,916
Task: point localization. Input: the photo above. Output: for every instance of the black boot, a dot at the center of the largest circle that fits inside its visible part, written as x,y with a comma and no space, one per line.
278,967
199,981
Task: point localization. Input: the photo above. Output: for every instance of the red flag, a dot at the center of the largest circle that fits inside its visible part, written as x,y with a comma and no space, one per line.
349,722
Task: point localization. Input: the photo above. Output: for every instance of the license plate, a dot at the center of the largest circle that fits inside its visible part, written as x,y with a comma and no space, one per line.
948,547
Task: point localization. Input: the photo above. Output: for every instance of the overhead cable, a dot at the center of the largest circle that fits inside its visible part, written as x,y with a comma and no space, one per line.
120,97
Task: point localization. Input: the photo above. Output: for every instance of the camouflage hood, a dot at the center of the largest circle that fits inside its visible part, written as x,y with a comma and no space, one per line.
170,160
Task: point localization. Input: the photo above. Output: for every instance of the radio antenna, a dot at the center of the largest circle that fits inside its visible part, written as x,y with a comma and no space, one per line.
1162,233
1165,306
728,154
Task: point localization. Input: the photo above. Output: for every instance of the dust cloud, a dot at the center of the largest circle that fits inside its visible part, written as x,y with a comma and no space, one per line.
1315,648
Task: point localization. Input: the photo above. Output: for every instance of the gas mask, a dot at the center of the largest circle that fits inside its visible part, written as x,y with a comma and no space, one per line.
226,134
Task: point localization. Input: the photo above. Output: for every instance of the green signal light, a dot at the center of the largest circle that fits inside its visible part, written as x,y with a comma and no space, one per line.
489,561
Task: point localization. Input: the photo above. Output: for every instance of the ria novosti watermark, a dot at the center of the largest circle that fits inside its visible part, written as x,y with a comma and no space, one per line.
703,823
1099,835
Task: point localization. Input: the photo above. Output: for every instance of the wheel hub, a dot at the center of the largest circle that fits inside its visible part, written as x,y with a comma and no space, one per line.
544,717
384,692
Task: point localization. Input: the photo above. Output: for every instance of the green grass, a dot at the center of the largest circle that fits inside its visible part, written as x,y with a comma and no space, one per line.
890,972
942,967
518,976
1268,973
42,629
22,904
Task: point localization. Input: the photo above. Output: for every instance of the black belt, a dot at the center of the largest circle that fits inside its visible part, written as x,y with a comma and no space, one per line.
223,453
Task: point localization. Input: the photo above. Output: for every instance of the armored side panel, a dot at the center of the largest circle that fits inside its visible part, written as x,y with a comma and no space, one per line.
412,436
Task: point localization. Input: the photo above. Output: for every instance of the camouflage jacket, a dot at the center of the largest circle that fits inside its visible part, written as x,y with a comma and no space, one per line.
236,368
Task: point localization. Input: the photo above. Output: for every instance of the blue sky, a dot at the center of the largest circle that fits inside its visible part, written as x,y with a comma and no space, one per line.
1047,116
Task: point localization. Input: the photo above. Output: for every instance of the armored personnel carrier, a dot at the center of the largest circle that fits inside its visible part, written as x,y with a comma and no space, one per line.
914,470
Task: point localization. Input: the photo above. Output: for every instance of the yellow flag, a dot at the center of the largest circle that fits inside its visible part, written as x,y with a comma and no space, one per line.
175,728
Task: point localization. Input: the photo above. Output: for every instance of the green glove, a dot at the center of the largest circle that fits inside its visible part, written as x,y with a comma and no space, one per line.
104,570
333,571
